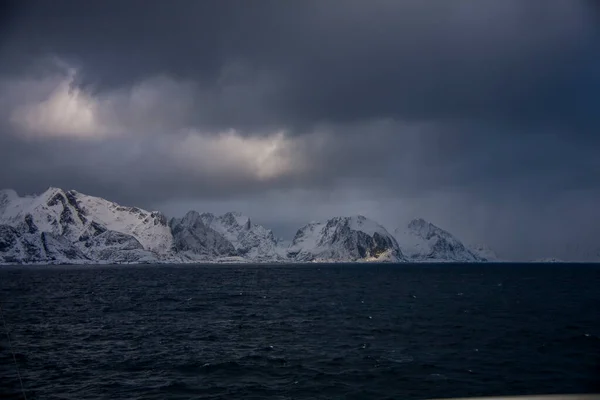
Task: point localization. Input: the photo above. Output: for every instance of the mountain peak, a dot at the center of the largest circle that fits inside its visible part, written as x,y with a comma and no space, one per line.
344,239
7,196
234,218
423,241
250,240
419,224
51,192
196,240
192,214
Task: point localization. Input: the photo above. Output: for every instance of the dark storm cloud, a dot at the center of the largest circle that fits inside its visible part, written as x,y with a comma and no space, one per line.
470,112
332,61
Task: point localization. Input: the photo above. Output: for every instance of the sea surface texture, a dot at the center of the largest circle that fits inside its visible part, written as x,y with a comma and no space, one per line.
299,332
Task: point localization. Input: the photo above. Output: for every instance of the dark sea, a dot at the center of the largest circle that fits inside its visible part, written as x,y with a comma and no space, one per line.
299,332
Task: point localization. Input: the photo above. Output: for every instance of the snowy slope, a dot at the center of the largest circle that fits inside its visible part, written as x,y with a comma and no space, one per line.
251,241
344,239
149,228
422,241
73,215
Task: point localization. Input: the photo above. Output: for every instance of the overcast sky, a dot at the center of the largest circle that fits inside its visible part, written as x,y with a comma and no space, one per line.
480,116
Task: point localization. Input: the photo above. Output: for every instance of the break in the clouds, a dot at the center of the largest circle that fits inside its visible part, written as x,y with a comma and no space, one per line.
478,115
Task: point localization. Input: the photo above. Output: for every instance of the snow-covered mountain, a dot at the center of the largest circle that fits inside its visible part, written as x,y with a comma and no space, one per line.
250,240
344,239
67,226
422,241
194,240
77,216
60,226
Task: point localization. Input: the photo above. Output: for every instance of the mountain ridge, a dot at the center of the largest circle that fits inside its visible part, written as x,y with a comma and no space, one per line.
59,226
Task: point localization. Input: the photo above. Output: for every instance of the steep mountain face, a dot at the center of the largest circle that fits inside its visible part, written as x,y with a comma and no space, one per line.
26,244
78,217
344,239
195,240
251,241
423,241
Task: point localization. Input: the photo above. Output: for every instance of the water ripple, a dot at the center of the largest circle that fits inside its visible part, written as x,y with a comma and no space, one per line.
301,332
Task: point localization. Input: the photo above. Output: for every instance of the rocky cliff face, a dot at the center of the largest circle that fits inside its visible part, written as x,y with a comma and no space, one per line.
195,240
